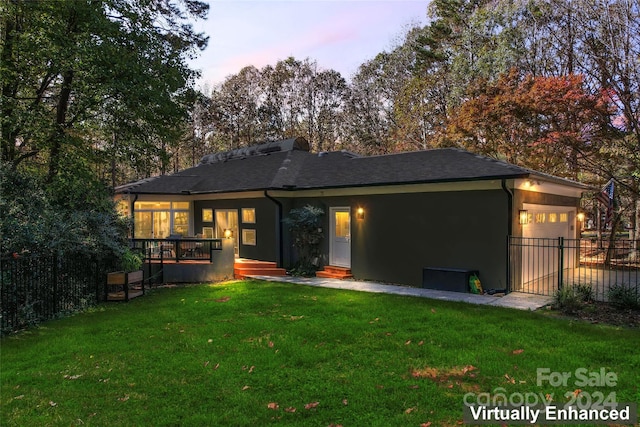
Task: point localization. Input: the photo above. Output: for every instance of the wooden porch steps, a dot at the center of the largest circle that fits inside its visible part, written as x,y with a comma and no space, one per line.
333,272
248,267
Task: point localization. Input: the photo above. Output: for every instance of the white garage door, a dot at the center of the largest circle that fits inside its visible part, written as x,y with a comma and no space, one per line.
540,250
550,221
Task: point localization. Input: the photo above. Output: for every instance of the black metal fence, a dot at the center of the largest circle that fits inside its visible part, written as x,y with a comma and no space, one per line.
38,288
177,250
543,265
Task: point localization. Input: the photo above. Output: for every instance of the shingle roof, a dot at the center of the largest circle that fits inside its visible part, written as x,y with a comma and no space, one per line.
297,169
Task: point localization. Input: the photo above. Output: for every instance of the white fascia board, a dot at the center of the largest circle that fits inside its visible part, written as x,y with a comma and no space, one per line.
536,185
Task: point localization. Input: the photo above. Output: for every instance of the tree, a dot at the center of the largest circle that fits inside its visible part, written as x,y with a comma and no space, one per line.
81,71
84,86
549,124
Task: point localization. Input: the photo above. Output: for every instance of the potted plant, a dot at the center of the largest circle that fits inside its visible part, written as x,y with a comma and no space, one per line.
130,273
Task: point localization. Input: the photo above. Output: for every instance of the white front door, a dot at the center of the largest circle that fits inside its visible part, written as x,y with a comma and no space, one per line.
340,241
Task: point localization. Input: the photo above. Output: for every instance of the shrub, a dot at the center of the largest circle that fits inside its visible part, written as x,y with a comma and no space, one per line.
584,292
130,261
306,225
625,296
572,298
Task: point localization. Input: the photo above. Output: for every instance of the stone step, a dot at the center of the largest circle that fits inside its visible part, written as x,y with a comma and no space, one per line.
333,272
247,267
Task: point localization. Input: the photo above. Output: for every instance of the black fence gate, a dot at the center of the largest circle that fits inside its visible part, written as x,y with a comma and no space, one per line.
542,265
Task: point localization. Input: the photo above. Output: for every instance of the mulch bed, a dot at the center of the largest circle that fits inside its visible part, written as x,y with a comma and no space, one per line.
604,313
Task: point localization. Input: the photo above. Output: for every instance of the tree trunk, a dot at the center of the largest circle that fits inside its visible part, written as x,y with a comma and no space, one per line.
9,90
61,124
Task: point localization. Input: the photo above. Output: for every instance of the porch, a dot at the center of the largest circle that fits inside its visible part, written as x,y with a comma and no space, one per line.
186,260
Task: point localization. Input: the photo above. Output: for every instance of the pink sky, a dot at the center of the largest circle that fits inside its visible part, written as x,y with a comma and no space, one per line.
339,35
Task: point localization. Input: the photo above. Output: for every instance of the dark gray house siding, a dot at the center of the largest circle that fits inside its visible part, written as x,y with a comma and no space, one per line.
266,248
403,233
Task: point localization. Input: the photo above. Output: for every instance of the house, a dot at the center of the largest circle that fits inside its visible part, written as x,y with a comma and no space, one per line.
387,218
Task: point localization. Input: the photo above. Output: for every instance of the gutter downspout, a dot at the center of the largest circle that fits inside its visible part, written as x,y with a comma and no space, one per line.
280,253
509,230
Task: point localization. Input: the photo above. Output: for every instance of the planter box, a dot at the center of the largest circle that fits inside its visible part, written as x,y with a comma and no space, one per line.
119,285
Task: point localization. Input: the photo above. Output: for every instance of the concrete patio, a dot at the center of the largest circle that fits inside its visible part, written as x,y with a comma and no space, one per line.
517,300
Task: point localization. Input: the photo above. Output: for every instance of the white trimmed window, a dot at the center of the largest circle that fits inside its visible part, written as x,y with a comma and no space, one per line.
248,215
248,237
158,220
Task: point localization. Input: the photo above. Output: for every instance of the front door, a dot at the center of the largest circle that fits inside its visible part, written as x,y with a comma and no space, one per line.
340,242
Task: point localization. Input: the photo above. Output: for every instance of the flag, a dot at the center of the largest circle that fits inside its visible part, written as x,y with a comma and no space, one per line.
605,196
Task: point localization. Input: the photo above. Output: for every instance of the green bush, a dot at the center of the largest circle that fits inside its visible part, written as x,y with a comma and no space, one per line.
306,226
130,261
625,296
74,214
572,298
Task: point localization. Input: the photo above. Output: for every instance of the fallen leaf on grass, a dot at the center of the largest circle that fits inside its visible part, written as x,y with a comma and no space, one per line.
72,377
290,410
345,402
206,363
19,397
576,392
273,405
421,343
433,310
518,351
124,399
271,344
216,367
427,424
251,369
410,410
509,379
223,299
407,342
311,405
245,388
52,403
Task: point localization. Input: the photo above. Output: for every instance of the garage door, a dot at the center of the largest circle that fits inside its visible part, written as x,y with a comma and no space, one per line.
540,263
550,222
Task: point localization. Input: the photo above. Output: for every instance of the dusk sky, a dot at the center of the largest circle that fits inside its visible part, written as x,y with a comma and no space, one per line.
339,35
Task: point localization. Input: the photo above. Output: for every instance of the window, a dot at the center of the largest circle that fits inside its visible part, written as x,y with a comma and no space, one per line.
181,223
553,217
249,215
541,218
248,237
158,220
564,217
207,215
343,224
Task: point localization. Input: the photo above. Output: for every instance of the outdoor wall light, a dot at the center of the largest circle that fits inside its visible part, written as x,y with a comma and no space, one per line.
227,233
523,214
581,216
360,213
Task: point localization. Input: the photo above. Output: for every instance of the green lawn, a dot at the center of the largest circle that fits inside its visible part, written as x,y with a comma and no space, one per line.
252,353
